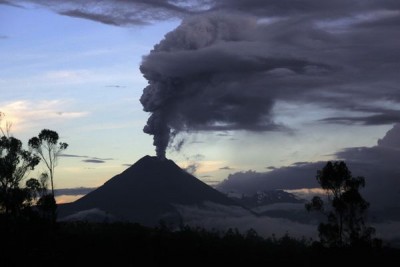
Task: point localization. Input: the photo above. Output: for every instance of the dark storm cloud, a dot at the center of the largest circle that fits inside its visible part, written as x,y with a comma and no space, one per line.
378,164
303,7
106,19
121,12
378,119
292,177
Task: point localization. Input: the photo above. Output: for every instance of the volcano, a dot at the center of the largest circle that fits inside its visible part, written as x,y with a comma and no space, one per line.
147,193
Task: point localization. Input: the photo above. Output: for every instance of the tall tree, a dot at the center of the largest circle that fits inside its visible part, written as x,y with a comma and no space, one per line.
347,213
46,145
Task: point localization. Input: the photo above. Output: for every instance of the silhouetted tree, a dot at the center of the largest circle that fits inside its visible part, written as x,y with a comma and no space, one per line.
46,145
33,187
346,217
15,162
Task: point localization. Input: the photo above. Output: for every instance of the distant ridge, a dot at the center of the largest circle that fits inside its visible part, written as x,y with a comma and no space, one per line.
146,193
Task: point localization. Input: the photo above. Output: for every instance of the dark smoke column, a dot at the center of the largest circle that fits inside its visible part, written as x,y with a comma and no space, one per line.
158,98
157,127
157,123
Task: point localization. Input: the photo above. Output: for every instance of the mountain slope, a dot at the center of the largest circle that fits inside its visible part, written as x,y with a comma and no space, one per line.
146,192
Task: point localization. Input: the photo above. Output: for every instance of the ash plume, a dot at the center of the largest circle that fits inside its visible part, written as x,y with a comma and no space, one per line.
203,77
223,71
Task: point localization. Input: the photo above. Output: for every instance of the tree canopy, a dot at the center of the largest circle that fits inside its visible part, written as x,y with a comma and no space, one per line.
47,147
348,209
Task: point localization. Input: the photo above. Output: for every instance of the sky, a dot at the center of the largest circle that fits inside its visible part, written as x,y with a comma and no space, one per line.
220,87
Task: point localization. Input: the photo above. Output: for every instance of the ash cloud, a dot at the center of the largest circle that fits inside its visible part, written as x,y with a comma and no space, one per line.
225,70
213,73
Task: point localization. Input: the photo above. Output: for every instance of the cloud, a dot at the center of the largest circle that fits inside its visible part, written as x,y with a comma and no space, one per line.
311,8
292,177
193,163
378,164
391,138
226,168
226,71
121,12
73,191
10,3
24,113
213,216
4,37
139,12
307,193
87,159
82,156
93,161
116,86
61,199
72,156
103,18
384,118
191,168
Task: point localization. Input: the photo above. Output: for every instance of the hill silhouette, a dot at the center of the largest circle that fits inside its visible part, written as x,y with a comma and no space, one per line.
146,193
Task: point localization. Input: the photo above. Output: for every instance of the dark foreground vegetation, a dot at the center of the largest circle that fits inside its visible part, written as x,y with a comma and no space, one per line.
122,244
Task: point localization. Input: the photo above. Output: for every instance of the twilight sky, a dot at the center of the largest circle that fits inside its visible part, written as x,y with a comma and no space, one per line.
240,84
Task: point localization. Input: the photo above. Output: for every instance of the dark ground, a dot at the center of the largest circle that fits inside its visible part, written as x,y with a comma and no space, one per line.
123,244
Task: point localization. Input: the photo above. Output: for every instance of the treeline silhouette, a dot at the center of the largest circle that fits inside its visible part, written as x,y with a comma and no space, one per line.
37,243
